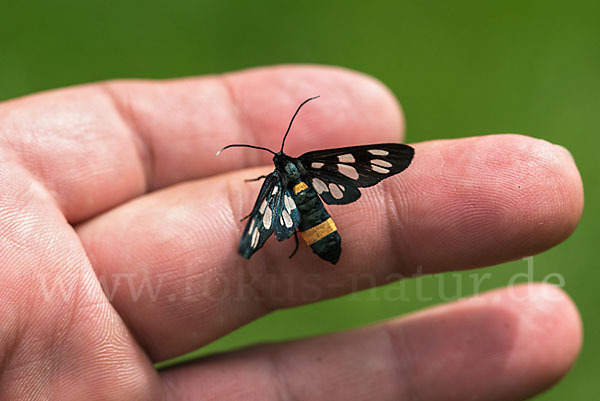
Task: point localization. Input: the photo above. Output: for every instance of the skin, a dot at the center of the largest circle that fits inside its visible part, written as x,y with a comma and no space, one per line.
119,179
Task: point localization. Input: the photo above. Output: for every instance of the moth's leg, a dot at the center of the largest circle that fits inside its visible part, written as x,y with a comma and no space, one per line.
255,179
245,217
296,248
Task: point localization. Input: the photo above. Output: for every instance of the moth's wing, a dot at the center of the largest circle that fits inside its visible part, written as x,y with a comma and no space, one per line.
334,188
336,174
262,219
364,165
288,216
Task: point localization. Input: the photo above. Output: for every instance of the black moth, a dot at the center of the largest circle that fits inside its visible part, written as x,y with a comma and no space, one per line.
290,197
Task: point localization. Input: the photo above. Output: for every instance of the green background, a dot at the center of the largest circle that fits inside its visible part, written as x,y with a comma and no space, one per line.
460,68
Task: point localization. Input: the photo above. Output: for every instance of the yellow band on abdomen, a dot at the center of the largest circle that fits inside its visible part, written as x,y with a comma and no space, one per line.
319,231
301,186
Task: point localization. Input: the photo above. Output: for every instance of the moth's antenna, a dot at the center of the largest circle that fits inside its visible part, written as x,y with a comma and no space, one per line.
241,145
294,116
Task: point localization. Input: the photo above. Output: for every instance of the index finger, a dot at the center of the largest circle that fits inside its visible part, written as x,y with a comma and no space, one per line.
97,146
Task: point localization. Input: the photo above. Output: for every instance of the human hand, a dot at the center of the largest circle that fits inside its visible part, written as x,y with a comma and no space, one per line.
113,184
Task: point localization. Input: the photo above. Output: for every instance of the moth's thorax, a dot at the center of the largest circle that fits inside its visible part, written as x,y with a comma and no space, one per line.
292,171
288,165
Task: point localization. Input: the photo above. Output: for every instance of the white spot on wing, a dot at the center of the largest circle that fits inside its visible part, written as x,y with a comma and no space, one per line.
319,186
317,164
263,206
289,203
251,226
287,219
347,158
336,191
255,238
378,152
267,218
378,169
382,163
275,190
348,171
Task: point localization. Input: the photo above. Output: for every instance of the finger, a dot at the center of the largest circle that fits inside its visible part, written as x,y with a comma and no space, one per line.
505,345
462,203
59,336
96,146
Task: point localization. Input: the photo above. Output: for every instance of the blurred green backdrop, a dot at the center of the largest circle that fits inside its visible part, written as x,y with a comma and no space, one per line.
459,68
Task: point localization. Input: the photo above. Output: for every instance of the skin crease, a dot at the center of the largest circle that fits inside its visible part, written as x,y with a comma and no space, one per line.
92,185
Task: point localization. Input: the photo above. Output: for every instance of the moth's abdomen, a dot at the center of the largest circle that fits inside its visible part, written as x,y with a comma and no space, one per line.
316,226
324,240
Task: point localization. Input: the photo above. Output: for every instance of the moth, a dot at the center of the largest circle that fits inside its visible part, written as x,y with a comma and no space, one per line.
291,197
